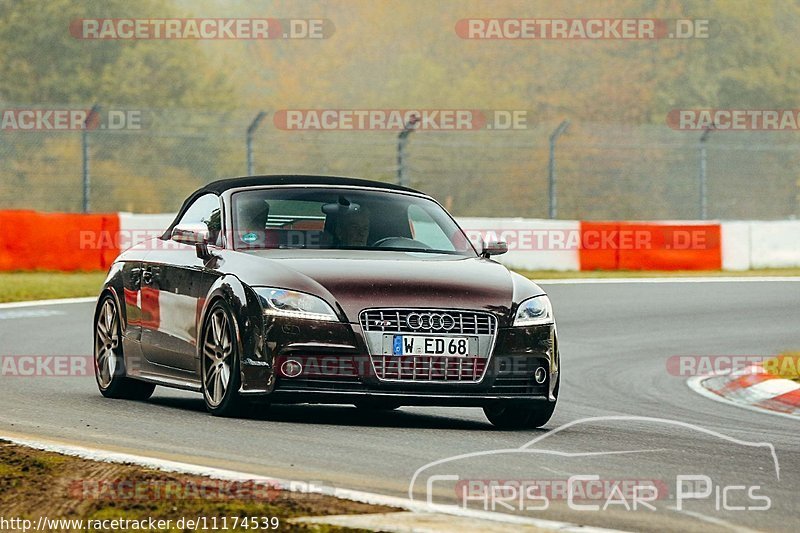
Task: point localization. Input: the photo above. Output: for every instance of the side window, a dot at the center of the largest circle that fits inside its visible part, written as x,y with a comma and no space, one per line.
205,210
424,229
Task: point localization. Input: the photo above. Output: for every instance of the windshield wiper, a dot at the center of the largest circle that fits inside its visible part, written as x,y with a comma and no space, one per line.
420,250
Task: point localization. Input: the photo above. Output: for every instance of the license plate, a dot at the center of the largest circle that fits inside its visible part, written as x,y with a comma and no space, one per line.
424,345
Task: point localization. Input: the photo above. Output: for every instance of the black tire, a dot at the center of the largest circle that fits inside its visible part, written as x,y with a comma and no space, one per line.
219,363
109,361
505,416
511,416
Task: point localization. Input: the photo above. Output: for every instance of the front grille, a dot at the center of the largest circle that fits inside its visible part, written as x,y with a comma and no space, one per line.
434,321
428,368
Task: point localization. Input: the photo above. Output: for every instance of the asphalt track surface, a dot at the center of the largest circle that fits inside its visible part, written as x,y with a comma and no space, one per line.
615,342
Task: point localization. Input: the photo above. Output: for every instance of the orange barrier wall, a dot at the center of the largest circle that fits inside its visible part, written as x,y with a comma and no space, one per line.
650,246
30,240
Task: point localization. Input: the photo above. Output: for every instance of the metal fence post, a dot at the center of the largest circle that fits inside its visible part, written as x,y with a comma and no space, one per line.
797,200
702,175
402,139
249,140
85,156
551,168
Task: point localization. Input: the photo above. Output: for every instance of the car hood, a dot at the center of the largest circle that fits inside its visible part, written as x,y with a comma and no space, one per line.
364,279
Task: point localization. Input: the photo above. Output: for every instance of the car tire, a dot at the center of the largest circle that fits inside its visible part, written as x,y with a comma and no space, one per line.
109,360
511,416
219,362
504,416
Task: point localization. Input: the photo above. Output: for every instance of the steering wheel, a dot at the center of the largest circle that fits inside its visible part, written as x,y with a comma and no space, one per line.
400,242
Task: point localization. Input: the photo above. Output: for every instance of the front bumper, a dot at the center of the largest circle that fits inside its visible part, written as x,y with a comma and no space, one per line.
337,368
289,396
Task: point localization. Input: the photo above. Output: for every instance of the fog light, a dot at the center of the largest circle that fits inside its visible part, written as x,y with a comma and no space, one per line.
291,368
540,375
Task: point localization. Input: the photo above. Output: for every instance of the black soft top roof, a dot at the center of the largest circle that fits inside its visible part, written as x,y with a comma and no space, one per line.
220,186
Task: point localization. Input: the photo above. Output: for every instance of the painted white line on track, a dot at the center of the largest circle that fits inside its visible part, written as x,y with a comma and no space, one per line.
37,303
698,279
29,313
696,384
97,454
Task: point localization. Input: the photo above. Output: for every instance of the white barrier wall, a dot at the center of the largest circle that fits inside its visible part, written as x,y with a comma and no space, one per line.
735,245
530,241
135,228
775,244
760,244
745,244
521,234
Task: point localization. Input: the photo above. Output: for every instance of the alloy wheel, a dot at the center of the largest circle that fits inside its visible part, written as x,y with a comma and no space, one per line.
107,344
217,354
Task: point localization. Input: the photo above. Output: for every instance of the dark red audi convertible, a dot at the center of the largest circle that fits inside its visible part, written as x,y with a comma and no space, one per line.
312,289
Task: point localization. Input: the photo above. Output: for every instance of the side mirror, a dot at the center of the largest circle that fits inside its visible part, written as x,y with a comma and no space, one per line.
191,234
196,235
494,248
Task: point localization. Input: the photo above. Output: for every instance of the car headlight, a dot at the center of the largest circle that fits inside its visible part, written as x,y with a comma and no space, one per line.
283,302
534,311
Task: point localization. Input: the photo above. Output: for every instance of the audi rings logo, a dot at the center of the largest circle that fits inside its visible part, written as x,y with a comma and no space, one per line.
431,321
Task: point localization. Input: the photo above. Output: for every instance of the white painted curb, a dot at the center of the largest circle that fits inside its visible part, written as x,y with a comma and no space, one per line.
35,303
696,384
96,454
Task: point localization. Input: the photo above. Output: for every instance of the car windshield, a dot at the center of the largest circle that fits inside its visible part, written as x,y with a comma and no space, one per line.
343,218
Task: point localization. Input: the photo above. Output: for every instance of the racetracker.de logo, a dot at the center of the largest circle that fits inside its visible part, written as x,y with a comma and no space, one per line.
584,29
734,119
612,238
200,29
172,490
35,119
400,119
46,366
784,366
